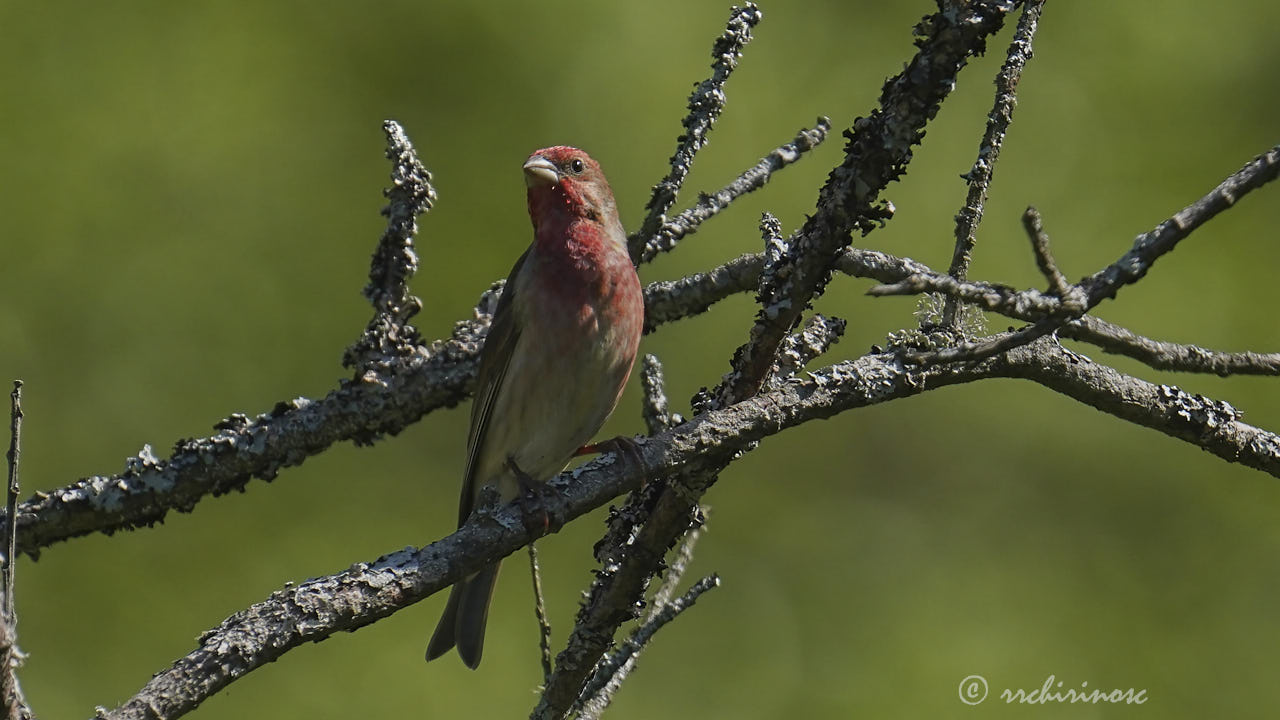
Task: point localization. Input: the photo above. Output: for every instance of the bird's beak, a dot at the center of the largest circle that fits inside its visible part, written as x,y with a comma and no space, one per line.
540,171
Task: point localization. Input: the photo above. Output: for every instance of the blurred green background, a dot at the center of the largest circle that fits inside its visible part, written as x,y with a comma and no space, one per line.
189,196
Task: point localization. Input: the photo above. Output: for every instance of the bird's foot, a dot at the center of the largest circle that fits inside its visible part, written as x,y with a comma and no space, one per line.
621,446
537,521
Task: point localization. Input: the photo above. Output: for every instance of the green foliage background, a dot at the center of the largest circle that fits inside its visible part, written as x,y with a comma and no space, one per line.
189,195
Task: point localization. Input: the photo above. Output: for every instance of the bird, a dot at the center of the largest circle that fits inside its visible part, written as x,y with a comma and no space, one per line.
560,349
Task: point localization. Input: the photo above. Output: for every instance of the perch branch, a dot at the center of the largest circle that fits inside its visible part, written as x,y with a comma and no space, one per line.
878,150
367,592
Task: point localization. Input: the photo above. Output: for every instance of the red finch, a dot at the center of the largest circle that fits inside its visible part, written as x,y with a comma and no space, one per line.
561,345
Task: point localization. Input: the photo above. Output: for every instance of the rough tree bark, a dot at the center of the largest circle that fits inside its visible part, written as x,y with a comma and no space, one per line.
397,379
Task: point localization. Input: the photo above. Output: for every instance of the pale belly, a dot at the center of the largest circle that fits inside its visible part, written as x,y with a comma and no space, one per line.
555,399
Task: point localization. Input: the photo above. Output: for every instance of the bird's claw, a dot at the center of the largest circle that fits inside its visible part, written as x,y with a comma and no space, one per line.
537,521
621,446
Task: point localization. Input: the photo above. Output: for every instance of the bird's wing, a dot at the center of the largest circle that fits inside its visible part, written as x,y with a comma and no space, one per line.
495,357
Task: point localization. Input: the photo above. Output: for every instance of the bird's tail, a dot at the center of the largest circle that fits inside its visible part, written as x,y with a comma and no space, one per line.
464,618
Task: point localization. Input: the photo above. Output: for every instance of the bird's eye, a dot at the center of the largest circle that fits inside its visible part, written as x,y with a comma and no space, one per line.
577,166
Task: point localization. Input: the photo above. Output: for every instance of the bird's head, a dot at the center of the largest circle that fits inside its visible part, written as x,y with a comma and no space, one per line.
564,179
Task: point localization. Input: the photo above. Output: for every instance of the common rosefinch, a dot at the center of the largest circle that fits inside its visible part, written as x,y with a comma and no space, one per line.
561,345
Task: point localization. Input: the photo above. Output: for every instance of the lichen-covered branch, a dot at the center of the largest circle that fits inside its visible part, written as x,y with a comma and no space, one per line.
1178,357
877,153
656,411
705,104
817,336
1051,312
753,178
878,150
1212,425
979,176
367,592
12,699
389,335
1152,245
622,661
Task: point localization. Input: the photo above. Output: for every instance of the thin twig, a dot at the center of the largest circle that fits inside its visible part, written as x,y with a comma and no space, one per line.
676,569
14,458
1152,245
994,298
803,346
619,664
1177,357
998,120
1076,300
656,411
389,335
540,610
610,672
15,703
974,351
878,151
753,178
1034,226
705,104
670,300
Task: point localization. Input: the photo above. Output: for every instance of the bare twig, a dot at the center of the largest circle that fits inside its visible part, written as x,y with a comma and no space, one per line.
1166,355
668,300
1212,425
540,610
998,120
14,458
705,104
615,669
1150,246
609,674
981,350
994,298
11,695
1056,311
753,178
1034,226
675,571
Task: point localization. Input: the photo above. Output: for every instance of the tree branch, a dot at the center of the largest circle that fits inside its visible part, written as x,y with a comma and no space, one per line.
442,375
11,695
878,150
705,104
751,179
998,120
367,592
1212,425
